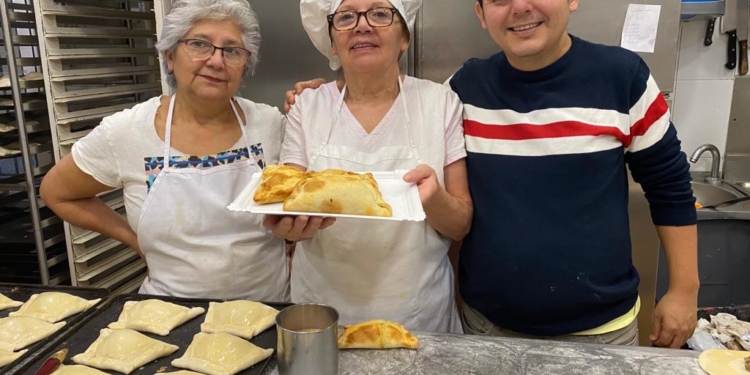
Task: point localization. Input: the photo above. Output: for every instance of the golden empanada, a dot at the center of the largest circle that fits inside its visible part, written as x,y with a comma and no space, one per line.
277,182
338,192
377,334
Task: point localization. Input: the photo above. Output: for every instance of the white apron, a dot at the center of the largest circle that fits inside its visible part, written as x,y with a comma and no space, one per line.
195,247
368,269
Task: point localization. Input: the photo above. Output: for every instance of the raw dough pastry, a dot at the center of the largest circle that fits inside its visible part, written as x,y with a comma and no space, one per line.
154,316
723,362
377,334
338,192
123,350
6,356
220,354
54,306
18,332
245,319
77,370
6,303
277,182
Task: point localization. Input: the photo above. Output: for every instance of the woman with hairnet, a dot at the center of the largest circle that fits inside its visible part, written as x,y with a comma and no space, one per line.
376,119
181,159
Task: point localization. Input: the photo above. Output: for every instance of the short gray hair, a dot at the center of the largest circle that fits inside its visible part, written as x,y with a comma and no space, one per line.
186,13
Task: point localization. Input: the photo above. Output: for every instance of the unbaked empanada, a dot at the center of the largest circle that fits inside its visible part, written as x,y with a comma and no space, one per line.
123,350
54,306
6,303
77,370
7,356
220,354
245,319
154,316
338,192
18,332
377,334
277,182
723,362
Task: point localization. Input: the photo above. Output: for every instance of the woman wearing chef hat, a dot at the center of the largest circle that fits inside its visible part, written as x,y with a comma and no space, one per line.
376,119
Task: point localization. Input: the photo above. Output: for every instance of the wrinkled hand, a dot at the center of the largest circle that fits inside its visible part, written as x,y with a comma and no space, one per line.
298,88
675,319
297,228
426,179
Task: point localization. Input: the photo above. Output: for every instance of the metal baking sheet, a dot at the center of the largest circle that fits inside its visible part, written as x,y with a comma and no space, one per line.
22,293
78,340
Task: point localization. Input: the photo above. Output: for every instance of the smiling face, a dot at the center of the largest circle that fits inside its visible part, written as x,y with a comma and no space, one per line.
209,79
532,33
366,48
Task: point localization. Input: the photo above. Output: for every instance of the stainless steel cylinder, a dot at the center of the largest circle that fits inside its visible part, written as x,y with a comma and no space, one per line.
307,340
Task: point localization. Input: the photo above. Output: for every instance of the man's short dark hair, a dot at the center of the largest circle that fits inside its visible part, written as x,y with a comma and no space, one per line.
480,2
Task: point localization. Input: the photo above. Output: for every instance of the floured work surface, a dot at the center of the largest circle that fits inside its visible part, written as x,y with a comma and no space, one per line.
77,342
443,354
22,293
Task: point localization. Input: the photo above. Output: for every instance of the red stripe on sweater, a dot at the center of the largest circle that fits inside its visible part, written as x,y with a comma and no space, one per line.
562,129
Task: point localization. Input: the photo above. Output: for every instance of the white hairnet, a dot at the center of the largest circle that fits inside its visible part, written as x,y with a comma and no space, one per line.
315,21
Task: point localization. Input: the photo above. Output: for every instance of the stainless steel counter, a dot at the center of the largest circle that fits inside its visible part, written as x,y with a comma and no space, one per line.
443,354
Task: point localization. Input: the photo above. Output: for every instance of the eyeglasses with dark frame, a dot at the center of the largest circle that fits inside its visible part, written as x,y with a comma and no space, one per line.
349,19
199,49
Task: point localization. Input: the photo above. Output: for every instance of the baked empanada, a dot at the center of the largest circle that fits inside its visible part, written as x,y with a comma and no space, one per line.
377,334
123,350
338,192
277,182
54,306
6,303
18,332
154,316
244,319
220,354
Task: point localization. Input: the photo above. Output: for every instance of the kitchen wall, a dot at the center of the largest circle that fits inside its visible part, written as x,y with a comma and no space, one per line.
703,91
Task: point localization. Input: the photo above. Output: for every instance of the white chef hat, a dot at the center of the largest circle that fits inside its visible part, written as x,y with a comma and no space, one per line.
315,21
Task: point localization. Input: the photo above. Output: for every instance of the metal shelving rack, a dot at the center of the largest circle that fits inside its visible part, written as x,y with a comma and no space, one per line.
32,242
98,60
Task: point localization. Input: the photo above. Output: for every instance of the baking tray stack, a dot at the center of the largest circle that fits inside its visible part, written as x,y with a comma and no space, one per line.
22,293
80,337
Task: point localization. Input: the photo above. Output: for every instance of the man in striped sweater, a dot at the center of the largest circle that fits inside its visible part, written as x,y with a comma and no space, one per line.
551,123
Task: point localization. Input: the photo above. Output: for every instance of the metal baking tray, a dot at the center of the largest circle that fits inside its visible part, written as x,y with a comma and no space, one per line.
80,338
22,293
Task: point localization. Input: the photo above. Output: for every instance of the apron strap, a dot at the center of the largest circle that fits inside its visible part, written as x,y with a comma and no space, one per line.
168,130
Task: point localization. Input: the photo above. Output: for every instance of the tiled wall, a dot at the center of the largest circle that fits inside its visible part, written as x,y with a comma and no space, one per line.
703,91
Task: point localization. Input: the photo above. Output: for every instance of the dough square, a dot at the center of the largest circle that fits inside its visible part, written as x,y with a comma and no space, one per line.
123,350
18,332
54,306
77,370
245,319
154,316
7,356
220,354
7,303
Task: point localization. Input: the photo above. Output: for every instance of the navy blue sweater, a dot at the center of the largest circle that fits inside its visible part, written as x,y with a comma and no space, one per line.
549,251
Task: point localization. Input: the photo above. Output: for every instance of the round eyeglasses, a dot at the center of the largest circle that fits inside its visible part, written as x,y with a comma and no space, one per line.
199,49
349,19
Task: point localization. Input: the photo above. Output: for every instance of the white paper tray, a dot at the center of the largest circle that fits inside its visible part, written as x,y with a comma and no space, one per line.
403,198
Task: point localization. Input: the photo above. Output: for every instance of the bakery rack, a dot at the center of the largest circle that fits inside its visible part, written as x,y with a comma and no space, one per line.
99,59
32,242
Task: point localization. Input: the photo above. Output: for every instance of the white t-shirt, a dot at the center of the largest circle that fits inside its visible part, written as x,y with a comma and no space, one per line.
124,151
435,114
